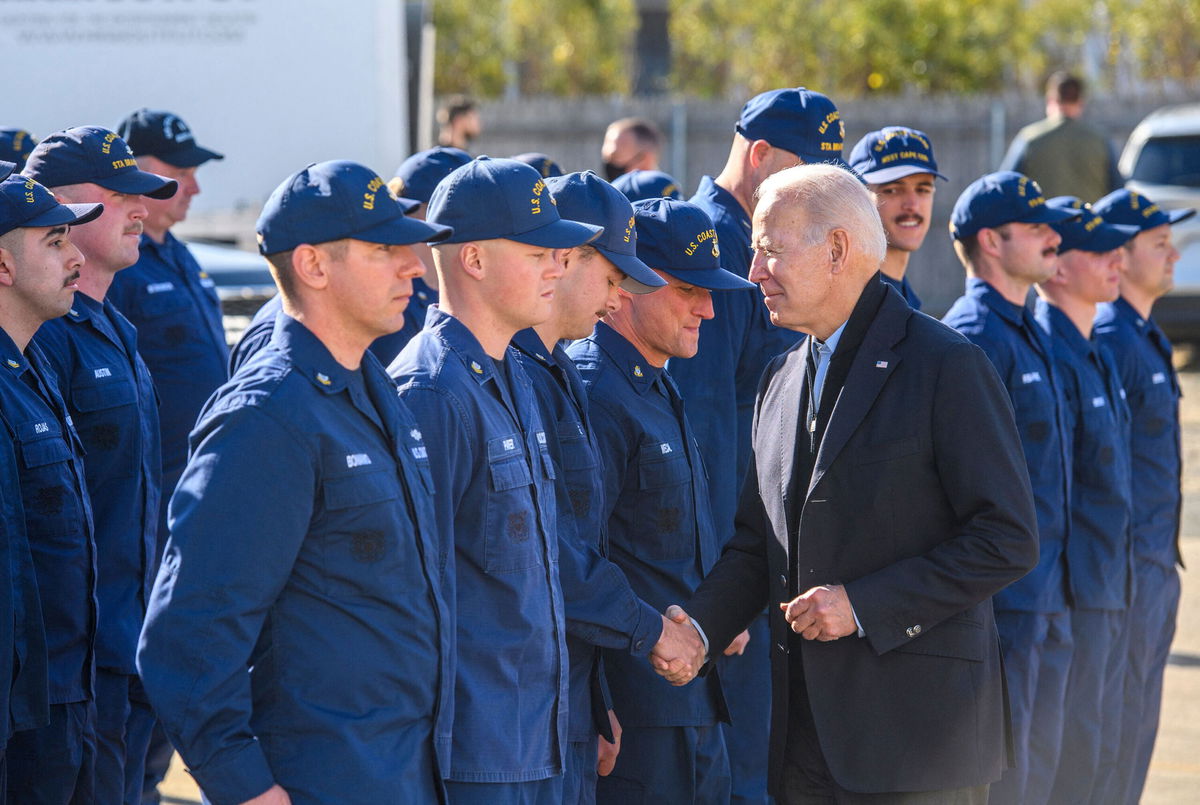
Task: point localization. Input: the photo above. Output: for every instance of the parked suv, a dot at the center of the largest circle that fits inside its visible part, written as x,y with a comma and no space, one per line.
1161,160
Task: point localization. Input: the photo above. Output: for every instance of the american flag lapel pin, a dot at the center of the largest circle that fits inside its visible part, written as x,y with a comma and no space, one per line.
880,364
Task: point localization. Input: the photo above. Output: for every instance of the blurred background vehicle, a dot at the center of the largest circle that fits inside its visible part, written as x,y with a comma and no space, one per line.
243,282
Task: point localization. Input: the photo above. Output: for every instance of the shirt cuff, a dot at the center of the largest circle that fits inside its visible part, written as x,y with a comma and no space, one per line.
240,774
861,633
703,636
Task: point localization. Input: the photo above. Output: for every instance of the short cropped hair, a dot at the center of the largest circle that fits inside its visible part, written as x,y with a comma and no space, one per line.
455,107
281,265
1063,87
648,135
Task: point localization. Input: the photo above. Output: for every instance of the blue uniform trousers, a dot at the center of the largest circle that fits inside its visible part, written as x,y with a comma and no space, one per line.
668,764
121,738
1093,704
746,681
579,781
54,765
533,792
1037,649
1149,630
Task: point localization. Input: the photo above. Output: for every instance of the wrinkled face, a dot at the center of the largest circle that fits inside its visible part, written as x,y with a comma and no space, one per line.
1028,252
1092,277
370,285
110,242
905,207
587,292
41,268
1150,261
794,276
667,321
521,281
165,213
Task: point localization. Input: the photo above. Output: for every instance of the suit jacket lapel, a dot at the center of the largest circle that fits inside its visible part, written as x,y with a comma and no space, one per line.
872,366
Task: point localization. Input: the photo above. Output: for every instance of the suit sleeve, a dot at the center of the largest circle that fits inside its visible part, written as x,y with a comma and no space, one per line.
227,523
983,475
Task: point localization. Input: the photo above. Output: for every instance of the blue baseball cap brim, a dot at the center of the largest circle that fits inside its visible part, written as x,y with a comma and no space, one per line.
189,157
639,277
560,234
140,183
66,215
896,172
712,279
1046,214
404,231
1176,216
6,169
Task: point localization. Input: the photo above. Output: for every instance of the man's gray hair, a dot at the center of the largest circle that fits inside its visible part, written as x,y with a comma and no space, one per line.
830,198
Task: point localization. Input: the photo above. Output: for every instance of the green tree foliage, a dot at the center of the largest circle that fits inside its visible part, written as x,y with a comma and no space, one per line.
567,47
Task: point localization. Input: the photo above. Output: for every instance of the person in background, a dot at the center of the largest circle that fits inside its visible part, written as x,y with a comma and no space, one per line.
1062,153
15,146
1143,357
630,144
898,166
458,122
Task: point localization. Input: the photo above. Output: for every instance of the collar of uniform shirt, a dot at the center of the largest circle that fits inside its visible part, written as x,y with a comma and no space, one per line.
983,290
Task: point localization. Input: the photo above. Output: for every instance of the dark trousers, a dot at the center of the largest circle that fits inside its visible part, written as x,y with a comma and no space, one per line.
807,780
534,792
746,681
54,765
157,760
579,780
668,764
121,707
1037,649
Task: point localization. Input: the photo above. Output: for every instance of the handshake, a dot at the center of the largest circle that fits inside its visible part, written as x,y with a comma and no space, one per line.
680,653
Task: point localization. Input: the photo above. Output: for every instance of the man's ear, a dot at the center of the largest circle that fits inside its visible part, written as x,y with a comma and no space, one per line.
989,241
472,256
839,250
310,266
759,149
8,265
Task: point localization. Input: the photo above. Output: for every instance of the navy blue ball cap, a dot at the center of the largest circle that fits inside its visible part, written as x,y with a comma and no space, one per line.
26,203
1129,207
16,145
892,153
541,163
638,185
329,201
489,199
418,175
798,120
1000,198
6,170
679,238
1087,231
91,154
588,198
162,134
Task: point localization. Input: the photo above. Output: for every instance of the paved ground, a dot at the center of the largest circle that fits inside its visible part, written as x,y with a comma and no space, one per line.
1175,768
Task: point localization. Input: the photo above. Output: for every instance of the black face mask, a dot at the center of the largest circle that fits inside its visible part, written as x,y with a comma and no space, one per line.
612,170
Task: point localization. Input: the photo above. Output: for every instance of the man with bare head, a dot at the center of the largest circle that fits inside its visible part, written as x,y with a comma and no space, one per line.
867,629
630,144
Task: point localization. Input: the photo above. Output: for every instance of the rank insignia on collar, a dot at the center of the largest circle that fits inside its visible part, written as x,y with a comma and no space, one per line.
637,371
476,368
323,379
13,364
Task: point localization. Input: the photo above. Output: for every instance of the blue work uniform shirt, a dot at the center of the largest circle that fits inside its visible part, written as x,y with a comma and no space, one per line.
719,383
494,477
110,396
386,347
660,525
58,516
905,289
1143,358
1099,549
175,308
297,634
23,637
601,607
1022,354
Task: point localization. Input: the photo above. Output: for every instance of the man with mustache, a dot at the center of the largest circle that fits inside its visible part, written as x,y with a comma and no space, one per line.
1099,550
111,397
51,760
1143,357
898,166
1002,234
656,502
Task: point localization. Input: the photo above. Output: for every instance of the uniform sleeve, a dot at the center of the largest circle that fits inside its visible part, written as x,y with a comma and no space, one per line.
238,519
252,341
995,541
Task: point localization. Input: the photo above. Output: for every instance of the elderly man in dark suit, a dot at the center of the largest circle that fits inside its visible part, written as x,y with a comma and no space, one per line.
887,500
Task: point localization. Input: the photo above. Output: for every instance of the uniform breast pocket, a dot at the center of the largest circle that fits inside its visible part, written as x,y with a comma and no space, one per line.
1033,408
100,398
162,303
362,533
1154,409
665,526
1099,438
48,490
511,526
579,466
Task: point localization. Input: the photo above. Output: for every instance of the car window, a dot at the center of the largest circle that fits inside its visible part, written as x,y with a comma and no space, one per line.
1169,160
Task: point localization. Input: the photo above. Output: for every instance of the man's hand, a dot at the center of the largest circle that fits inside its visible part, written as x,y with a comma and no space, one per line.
822,613
738,645
679,653
275,795
606,753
